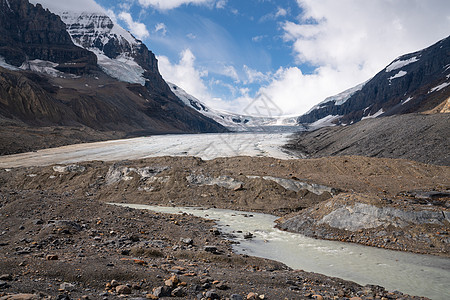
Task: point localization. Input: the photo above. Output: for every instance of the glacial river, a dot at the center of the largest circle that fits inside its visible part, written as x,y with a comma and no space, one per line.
419,275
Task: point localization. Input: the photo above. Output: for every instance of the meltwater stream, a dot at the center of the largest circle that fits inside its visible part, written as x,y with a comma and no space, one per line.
414,274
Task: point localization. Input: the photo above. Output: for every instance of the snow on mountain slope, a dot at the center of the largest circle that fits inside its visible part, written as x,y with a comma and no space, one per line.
412,83
114,46
116,49
234,121
338,99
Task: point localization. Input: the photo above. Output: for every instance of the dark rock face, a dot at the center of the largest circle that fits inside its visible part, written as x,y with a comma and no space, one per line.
93,99
405,86
30,32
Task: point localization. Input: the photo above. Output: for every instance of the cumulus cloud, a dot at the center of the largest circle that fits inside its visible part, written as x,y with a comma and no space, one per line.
185,74
170,4
137,29
347,51
70,5
194,81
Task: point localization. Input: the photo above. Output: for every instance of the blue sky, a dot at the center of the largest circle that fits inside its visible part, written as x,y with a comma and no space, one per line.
296,52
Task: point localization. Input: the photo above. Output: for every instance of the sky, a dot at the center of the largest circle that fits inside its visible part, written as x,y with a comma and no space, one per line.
294,52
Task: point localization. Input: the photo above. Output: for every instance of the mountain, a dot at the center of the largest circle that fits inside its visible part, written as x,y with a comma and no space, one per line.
29,32
236,122
415,82
419,137
89,73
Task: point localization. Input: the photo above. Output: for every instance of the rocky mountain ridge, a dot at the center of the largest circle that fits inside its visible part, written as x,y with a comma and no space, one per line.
415,82
30,32
47,80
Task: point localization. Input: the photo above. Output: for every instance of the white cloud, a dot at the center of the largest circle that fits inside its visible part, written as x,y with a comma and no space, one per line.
161,27
230,71
70,5
258,38
184,74
254,75
170,4
350,50
221,4
136,28
281,12
191,36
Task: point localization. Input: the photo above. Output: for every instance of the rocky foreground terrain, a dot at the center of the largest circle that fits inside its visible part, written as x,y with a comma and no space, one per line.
60,239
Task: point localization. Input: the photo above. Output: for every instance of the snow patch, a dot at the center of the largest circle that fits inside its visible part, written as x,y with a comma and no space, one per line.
5,65
439,87
378,113
340,98
401,63
324,122
45,67
398,75
122,68
407,100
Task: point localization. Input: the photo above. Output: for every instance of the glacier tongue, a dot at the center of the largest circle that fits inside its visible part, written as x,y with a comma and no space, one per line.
236,122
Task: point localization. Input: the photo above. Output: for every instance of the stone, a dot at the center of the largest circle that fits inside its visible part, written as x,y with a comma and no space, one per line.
162,291
238,187
236,297
7,277
248,235
211,295
252,296
317,297
114,283
178,292
211,249
51,257
172,281
187,241
222,286
123,289
151,296
66,286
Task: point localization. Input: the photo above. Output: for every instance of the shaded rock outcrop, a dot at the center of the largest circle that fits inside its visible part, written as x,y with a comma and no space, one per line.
30,32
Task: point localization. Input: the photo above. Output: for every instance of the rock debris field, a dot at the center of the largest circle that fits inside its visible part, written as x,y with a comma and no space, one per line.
60,240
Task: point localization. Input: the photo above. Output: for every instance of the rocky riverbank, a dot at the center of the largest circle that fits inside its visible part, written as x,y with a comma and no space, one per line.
59,239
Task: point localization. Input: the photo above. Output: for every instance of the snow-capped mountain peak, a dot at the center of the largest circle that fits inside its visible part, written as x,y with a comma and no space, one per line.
115,47
119,53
